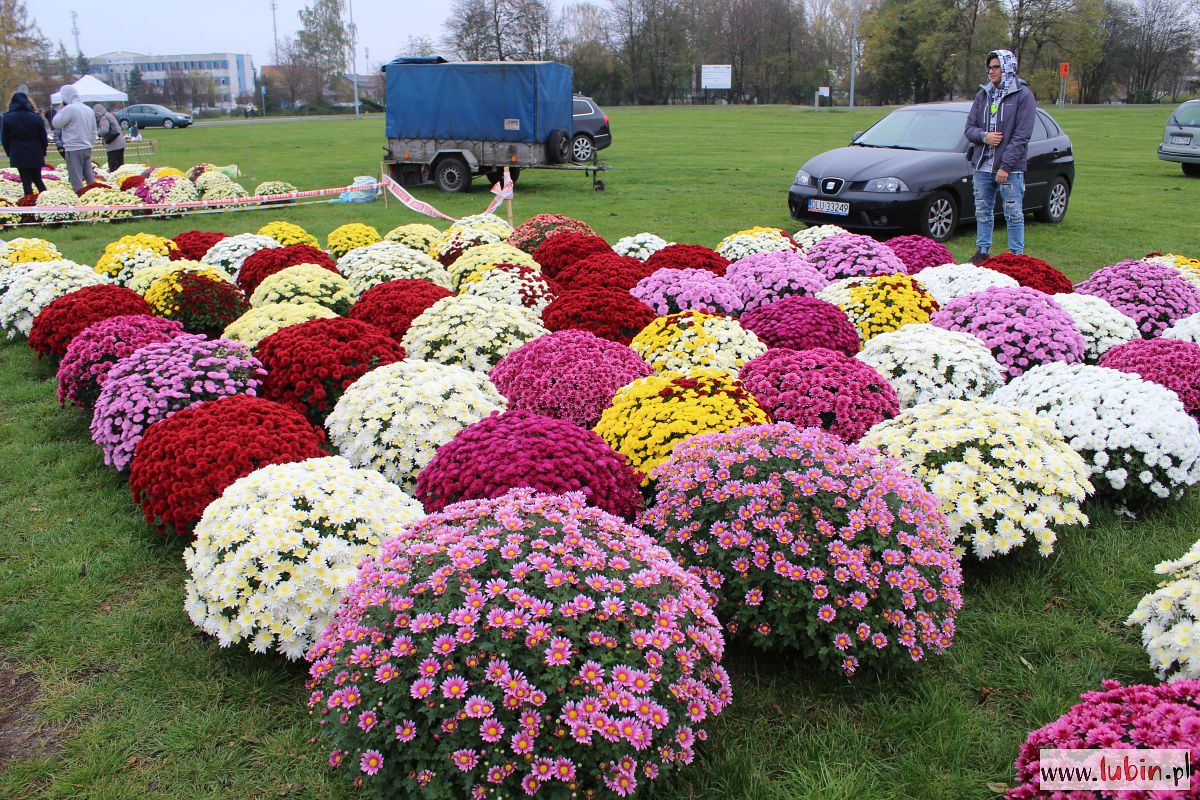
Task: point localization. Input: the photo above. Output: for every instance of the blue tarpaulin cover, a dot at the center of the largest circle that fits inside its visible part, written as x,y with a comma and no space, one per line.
496,101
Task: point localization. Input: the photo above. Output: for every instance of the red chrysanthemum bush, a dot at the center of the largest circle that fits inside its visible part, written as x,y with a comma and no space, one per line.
393,306
561,250
309,365
131,182
192,244
602,271
269,260
688,256
478,656
609,313
93,352
918,252
58,323
27,200
1159,716
82,190
204,305
530,234
811,544
571,375
802,323
1172,363
820,388
518,449
185,461
1031,272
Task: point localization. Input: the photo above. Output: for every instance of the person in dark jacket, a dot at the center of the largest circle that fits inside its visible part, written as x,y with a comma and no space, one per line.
23,135
999,124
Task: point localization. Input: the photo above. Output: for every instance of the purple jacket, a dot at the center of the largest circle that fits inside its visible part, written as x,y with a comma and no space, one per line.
1014,120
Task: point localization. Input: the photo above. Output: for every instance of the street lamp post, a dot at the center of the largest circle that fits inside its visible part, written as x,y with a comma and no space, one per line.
853,51
353,56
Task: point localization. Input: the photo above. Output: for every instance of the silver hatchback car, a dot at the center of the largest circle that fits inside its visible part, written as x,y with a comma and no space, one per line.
1181,139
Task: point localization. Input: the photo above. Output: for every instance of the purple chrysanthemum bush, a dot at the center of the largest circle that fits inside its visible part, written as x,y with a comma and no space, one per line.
763,278
802,323
670,291
1154,296
95,350
849,255
518,646
811,544
918,252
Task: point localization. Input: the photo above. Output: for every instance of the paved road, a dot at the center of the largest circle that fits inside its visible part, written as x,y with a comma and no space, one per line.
260,120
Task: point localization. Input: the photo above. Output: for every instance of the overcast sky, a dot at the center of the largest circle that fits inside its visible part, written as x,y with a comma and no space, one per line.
227,26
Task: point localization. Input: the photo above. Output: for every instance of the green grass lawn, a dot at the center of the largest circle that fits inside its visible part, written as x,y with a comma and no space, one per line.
132,701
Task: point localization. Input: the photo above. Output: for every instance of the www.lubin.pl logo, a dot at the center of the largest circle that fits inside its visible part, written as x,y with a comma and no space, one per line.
1114,768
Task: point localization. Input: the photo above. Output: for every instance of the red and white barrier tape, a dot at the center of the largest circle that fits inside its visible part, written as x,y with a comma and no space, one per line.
503,191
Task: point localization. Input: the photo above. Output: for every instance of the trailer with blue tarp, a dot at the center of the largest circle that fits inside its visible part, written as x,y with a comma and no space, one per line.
450,121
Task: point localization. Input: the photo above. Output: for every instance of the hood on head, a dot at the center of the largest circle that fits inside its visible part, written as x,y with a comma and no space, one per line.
20,102
1008,69
69,94
99,109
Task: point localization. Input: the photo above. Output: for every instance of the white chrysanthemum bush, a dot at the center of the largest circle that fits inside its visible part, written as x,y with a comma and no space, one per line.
1170,618
30,290
371,265
273,553
1102,326
924,363
949,281
640,245
261,321
1005,477
694,340
305,283
231,252
471,331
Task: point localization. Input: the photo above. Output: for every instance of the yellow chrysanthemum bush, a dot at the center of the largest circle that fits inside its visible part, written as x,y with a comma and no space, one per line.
485,256
260,322
694,340
344,238
305,283
143,278
27,250
168,172
203,304
273,553
109,197
880,304
1004,476
648,417
129,254
287,233
416,235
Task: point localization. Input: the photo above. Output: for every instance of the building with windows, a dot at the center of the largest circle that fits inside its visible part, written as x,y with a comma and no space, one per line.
233,73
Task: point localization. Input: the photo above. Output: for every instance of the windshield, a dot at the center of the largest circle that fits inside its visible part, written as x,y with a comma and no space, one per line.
1187,115
918,129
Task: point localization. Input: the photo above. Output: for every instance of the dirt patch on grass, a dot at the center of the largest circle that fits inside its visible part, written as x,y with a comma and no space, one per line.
22,736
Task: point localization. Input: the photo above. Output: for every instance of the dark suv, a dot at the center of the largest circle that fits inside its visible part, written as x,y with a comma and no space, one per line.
590,132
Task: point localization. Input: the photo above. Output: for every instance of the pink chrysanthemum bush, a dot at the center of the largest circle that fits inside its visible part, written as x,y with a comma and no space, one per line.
802,323
1022,327
1168,362
763,278
571,375
95,349
669,291
518,449
526,645
811,544
849,255
1154,296
820,388
918,252
1166,715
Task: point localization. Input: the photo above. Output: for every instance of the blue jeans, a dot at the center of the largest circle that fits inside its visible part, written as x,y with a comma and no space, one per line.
1012,194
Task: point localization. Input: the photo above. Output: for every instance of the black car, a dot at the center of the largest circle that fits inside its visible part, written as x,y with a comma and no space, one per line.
590,132
910,172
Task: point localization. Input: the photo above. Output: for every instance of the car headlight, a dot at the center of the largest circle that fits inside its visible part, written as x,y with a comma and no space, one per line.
886,185
803,178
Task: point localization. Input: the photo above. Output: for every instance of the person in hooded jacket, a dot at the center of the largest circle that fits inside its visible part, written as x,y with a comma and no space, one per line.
1000,123
106,124
75,124
23,135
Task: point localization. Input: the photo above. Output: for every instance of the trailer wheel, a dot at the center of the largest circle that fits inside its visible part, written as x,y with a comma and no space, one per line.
598,186
452,175
558,147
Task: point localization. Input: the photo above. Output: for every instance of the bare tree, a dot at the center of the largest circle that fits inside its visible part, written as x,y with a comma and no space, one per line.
293,77
500,30
1164,39
21,45
324,40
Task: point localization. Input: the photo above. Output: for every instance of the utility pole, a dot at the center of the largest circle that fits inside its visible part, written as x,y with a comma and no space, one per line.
353,56
275,28
75,31
853,51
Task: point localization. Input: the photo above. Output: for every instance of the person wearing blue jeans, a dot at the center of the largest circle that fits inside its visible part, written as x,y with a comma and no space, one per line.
999,125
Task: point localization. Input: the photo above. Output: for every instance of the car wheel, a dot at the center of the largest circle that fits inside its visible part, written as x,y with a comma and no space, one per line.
558,147
452,175
1057,197
1191,170
939,217
582,148
124,124
168,123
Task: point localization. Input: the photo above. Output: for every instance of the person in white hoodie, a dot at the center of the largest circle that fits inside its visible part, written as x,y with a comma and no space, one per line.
75,124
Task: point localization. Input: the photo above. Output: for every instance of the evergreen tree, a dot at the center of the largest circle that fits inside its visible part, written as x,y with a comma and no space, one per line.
136,84
325,41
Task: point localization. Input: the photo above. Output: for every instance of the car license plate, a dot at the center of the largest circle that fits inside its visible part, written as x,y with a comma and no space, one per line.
829,207
1181,139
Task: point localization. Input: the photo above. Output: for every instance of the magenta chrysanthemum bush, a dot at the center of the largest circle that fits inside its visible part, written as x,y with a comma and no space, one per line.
820,388
802,323
527,645
1164,715
763,278
95,349
811,544
849,255
1168,362
670,291
571,375
162,378
1154,296
918,252
1022,327
518,449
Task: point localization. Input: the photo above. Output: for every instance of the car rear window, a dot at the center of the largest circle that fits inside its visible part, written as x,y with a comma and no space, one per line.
581,108
1187,115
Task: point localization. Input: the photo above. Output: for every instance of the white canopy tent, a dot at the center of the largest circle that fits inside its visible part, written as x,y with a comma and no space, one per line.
93,90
